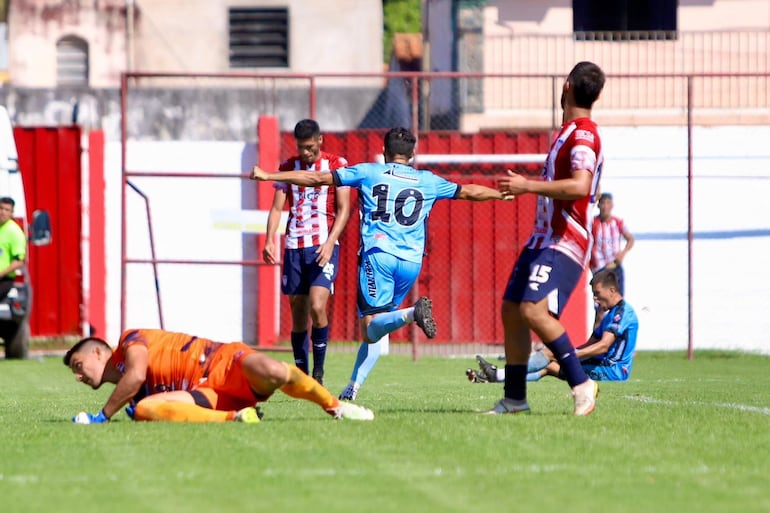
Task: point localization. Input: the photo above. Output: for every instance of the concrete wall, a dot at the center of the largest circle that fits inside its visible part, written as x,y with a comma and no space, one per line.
184,36
646,171
188,114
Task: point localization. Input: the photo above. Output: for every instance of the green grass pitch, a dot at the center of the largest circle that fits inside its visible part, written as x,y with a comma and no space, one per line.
680,436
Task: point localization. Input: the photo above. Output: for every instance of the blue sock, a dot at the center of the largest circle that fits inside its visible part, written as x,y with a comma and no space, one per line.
299,344
570,365
320,338
387,322
368,354
515,382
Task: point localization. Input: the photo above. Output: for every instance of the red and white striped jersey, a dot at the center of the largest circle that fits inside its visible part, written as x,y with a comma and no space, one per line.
565,225
608,237
312,210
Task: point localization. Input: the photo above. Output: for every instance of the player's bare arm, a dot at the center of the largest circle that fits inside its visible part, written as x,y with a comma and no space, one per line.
326,249
14,266
576,187
130,382
301,178
596,347
273,220
475,192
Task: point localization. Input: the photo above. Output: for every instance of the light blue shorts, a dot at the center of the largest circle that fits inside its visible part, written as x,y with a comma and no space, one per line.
607,373
384,281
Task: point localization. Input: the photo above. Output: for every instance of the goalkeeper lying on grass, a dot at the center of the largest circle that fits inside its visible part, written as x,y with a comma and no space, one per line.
608,355
177,377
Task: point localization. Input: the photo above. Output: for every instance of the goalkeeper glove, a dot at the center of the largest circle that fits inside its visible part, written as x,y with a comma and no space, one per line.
90,418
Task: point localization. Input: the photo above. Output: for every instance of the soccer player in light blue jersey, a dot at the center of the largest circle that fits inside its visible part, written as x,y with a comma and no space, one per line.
395,201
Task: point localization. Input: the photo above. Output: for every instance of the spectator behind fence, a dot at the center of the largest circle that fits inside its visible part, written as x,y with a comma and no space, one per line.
609,232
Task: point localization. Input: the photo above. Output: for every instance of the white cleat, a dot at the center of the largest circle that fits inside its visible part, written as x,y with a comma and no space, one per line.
350,411
585,397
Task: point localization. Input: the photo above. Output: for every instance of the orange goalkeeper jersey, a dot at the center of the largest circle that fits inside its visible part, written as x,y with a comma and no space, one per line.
177,361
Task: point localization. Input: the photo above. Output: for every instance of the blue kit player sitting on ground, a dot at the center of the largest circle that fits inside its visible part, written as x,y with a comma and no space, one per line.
608,355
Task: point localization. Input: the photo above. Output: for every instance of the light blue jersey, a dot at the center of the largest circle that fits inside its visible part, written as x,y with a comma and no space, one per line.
616,364
395,202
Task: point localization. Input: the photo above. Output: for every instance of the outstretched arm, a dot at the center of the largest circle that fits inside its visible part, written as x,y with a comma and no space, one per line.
475,192
302,178
576,187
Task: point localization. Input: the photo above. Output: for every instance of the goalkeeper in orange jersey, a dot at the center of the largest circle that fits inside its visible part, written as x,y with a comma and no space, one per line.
162,375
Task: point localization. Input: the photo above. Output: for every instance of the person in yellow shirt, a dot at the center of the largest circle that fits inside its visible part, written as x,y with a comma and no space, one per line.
13,246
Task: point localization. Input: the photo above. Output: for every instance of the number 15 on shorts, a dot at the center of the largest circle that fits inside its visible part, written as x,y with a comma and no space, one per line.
539,275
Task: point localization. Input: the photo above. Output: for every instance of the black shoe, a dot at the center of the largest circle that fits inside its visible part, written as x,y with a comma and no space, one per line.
423,316
318,376
475,377
489,370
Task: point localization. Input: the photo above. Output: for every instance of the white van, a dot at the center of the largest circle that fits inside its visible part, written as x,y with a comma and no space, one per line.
16,306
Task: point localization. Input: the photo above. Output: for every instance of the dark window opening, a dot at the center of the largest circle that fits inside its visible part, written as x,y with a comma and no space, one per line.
624,20
259,38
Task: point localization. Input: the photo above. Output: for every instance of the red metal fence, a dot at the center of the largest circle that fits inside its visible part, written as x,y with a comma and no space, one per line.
471,246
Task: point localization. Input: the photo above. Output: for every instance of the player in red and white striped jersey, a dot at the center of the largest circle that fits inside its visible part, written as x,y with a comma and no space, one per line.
552,262
561,222
609,232
317,217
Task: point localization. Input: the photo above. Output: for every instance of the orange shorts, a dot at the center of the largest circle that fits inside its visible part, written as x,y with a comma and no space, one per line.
225,386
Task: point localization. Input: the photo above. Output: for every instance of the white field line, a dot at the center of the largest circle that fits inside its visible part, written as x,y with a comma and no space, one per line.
729,406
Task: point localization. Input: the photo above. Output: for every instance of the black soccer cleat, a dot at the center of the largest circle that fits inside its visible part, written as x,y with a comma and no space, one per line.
423,316
489,370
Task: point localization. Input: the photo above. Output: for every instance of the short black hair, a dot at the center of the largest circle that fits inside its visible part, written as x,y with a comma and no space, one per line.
306,129
606,278
8,201
604,196
587,81
81,343
400,141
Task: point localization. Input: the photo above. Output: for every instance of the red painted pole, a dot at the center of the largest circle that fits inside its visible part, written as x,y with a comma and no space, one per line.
268,299
97,296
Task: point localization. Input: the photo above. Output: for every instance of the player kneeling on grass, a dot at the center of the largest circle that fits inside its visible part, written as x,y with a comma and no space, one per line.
608,355
177,377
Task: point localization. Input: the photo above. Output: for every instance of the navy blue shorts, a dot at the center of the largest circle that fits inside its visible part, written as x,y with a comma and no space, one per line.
540,273
300,271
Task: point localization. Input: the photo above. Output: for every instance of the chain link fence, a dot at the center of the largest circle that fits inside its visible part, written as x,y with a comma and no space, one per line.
659,136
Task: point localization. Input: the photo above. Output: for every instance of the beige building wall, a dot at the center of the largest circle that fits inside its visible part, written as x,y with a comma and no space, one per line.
185,36
35,27
344,38
729,37
506,17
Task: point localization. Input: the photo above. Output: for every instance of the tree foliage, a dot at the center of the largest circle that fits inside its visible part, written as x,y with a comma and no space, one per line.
399,16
